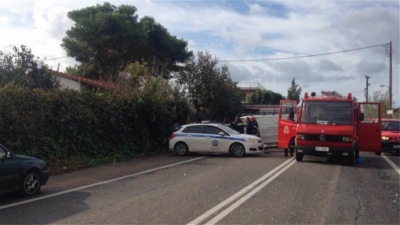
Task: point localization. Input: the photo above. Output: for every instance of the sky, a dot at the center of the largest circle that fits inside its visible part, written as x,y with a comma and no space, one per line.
253,38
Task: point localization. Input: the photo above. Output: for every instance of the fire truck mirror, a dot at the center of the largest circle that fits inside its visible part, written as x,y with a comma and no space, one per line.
361,116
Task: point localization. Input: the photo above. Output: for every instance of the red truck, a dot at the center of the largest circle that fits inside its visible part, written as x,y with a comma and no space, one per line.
329,125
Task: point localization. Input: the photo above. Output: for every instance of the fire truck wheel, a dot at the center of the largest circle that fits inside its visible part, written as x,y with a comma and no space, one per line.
351,160
378,153
299,157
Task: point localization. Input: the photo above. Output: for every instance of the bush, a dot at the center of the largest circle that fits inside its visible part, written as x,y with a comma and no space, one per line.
63,124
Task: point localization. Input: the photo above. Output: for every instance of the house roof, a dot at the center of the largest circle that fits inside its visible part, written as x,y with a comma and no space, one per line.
88,81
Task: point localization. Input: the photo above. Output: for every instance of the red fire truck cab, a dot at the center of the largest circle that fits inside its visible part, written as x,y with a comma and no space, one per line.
332,125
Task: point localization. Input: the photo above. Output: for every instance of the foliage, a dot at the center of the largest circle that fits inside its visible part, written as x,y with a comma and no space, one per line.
210,89
106,38
383,98
21,67
65,123
265,97
294,91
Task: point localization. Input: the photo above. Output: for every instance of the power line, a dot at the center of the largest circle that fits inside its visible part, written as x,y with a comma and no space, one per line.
357,62
303,56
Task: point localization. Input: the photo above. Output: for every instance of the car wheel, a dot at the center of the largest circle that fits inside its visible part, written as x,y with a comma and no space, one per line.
299,156
238,150
30,184
378,153
181,149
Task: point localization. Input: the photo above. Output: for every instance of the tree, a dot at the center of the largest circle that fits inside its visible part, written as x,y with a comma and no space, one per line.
106,38
265,97
21,67
210,89
383,98
294,91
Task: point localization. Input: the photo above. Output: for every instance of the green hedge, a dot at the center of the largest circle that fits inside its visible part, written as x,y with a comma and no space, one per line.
63,124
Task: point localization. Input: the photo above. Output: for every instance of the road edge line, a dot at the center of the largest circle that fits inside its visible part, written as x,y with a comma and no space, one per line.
96,184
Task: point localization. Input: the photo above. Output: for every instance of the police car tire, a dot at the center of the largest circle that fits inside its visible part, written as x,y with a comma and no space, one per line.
238,150
181,146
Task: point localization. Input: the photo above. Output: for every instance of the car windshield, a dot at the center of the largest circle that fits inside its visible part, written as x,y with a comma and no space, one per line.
229,130
323,112
391,125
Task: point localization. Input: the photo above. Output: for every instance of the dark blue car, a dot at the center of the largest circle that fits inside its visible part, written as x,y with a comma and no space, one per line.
21,173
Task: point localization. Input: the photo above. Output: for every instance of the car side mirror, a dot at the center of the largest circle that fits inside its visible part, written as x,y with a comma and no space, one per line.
362,117
221,133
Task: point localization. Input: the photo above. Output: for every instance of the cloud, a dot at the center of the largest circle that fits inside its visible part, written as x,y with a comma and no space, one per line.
328,65
245,30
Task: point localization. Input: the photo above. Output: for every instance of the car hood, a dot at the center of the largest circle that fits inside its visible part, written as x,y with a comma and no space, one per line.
389,133
27,158
248,136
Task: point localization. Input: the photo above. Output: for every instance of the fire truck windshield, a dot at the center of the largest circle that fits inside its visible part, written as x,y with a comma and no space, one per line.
326,112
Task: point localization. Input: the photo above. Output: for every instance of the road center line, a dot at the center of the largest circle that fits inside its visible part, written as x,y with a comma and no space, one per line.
228,210
395,167
96,184
238,194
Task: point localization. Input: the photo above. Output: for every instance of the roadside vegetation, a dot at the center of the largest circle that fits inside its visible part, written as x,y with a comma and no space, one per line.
76,129
158,83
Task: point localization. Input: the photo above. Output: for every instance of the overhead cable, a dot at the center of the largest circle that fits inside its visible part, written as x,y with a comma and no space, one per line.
303,56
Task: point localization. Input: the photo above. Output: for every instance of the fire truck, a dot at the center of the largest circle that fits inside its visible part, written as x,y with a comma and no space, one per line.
329,125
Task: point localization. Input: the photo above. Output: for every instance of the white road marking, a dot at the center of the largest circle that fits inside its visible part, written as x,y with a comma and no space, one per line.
395,167
238,194
228,210
96,184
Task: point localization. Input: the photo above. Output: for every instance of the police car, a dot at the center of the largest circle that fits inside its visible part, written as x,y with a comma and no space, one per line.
214,138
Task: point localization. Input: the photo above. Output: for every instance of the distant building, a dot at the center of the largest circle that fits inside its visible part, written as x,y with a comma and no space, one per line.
259,109
246,92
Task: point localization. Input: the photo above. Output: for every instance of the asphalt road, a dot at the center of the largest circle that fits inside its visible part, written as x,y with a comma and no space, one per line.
217,189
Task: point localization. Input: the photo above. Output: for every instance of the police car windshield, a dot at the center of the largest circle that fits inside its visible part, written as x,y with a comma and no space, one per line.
324,112
229,130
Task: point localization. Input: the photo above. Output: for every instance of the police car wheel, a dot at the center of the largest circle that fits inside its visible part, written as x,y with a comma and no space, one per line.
181,149
238,150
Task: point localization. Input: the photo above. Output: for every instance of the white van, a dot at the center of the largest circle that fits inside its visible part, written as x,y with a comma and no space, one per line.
268,127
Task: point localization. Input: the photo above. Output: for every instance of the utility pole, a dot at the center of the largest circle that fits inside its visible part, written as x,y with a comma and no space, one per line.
366,87
390,77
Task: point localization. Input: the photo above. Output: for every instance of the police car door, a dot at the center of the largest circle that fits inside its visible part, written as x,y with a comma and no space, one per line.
194,138
214,141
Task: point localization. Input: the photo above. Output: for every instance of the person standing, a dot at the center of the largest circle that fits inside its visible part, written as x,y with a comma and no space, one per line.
249,126
255,126
238,125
